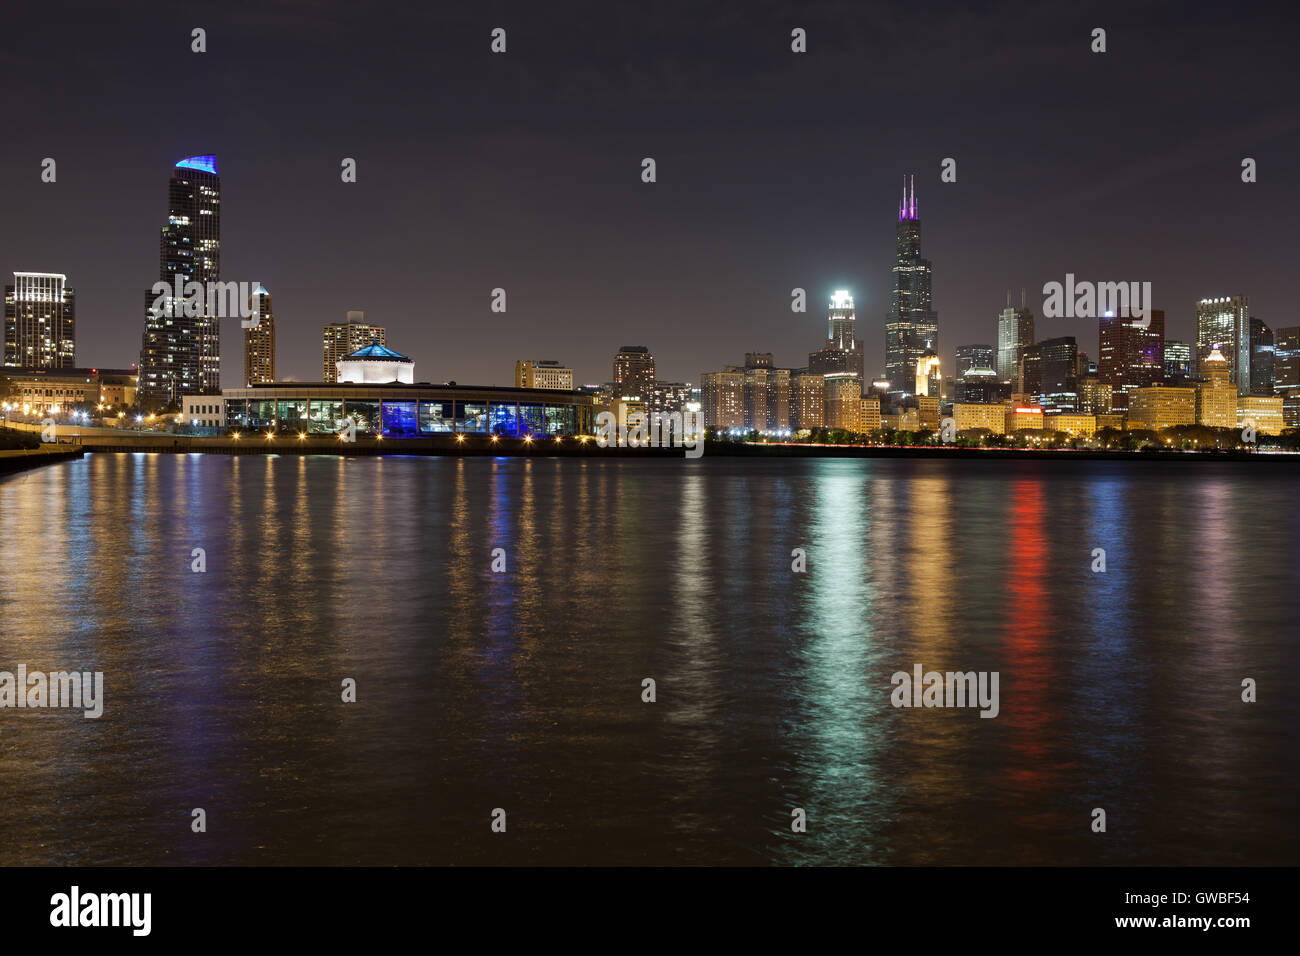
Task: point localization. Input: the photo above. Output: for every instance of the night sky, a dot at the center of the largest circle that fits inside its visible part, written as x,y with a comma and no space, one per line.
775,169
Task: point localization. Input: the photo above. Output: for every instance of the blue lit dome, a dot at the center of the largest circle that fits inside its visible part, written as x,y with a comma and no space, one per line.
376,351
375,365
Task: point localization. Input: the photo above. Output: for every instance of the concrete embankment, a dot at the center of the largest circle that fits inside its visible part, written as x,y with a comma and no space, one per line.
20,459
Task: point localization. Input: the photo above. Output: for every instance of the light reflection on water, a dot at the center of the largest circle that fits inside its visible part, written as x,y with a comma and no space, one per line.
522,690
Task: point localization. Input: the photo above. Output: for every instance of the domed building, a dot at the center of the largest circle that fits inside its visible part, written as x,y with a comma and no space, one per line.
376,365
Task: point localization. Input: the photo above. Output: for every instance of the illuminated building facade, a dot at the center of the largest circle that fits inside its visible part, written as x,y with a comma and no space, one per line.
1130,355
1049,372
1020,417
180,354
375,365
1262,349
1015,334
1074,425
40,328
1224,324
1179,361
912,326
842,351
723,397
634,371
808,400
1264,411
41,390
259,341
1161,406
409,411
543,373
968,415
843,401
869,415
1216,396
341,339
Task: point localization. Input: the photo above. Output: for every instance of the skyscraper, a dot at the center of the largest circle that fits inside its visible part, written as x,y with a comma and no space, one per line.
1224,324
341,339
634,372
1260,377
1050,373
181,351
1015,334
1286,359
40,321
259,341
843,349
912,326
1178,361
1129,355
841,321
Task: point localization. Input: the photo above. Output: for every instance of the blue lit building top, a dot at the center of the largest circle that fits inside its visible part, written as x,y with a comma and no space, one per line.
376,351
204,164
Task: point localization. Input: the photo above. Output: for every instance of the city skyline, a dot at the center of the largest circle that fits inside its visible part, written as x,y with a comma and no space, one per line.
1023,211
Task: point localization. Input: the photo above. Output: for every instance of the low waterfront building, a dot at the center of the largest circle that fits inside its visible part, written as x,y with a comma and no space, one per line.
1161,406
203,411
42,390
398,410
1020,417
1076,426
968,415
1265,411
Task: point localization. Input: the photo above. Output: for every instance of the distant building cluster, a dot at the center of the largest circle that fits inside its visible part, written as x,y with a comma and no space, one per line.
1237,371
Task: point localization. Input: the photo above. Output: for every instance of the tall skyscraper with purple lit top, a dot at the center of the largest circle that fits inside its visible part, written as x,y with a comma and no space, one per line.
912,326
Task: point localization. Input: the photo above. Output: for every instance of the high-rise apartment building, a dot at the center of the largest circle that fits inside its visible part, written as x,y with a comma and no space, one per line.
180,352
341,339
40,329
634,371
912,326
807,400
259,340
723,396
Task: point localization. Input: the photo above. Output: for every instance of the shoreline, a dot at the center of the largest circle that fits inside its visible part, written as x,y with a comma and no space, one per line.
480,446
